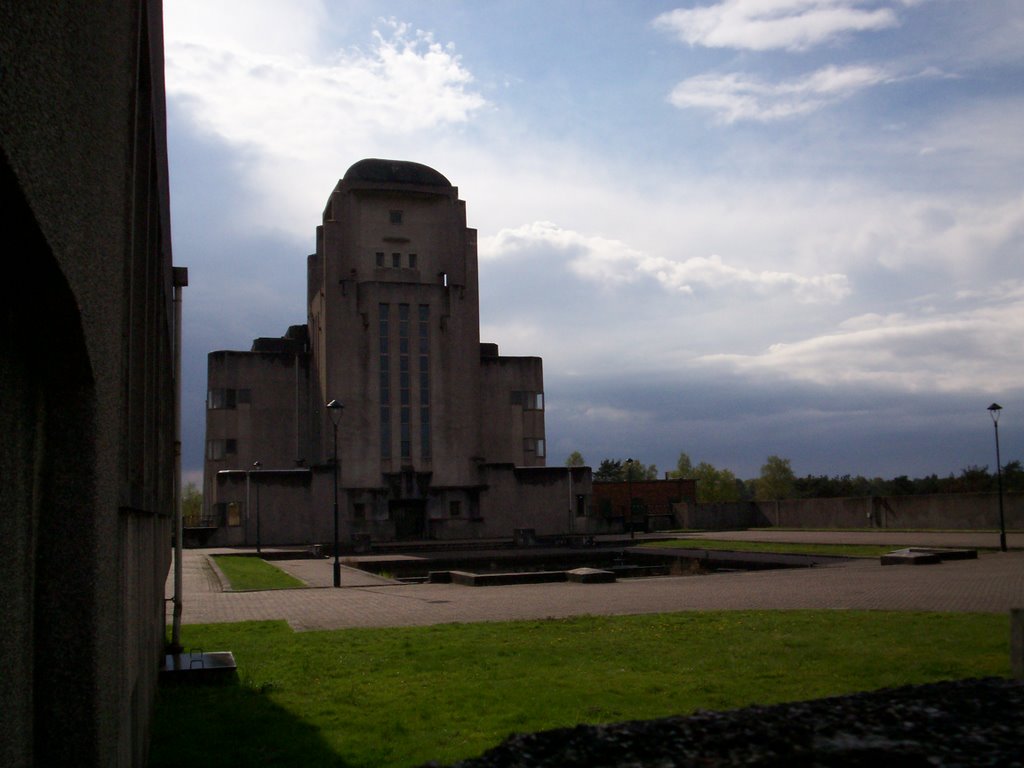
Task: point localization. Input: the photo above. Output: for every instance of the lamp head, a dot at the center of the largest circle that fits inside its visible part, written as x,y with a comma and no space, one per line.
257,465
335,408
994,411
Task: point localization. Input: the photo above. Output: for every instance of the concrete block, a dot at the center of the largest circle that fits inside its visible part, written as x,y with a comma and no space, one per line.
590,576
910,557
198,667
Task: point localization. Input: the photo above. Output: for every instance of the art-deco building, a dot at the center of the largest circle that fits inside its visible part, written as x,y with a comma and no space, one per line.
440,436
87,350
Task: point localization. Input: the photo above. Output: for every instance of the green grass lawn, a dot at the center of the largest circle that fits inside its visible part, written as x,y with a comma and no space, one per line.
840,550
246,572
403,696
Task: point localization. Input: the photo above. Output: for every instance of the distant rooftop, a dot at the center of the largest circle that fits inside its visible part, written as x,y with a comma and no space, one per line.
395,172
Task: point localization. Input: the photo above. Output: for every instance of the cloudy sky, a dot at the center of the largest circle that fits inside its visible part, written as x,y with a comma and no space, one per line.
733,228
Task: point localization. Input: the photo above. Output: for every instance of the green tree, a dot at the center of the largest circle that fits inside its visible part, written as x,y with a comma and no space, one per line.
974,479
618,470
191,502
609,470
1013,476
715,485
777,480
637,470
684,468
575,459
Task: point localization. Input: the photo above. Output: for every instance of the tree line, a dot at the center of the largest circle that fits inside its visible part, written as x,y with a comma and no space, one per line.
778,480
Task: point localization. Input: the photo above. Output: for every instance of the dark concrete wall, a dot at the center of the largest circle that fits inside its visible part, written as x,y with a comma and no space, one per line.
511,430
612,500
961,511
86,431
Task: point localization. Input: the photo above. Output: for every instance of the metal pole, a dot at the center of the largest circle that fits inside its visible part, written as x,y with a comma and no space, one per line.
337,563
257,465
629,478
999,487
180,275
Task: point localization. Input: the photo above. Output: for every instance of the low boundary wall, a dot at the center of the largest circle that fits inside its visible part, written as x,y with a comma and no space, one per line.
959,511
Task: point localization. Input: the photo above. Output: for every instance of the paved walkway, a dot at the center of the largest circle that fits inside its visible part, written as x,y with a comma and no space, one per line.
992,583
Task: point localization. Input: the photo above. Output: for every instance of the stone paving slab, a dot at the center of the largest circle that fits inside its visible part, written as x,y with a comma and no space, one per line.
993,583
319,572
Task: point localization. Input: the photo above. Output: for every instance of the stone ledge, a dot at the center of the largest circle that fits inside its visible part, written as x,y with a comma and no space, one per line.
926,556
590,576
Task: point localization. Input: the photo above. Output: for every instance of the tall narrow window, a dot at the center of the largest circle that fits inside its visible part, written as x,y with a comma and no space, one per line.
384,329
423,344
380,258
403,381
232,512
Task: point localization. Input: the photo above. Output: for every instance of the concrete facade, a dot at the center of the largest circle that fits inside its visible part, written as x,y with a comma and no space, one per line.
437,430
87,439
642,505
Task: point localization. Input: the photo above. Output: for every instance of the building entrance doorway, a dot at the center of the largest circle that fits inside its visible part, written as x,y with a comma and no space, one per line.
409,517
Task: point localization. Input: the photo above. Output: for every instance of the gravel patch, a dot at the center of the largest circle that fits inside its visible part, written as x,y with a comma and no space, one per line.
958,723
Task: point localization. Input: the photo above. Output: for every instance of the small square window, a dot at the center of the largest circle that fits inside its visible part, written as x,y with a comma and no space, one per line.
454,508
217,450
228,513
395,217
534,445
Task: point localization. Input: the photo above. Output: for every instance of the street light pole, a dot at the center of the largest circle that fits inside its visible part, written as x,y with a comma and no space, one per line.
629,482
256,465
335,408
994,410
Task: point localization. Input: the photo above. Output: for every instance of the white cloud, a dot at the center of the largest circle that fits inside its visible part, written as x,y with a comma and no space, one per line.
970,348
760,25
289,105
713,273
734,97
590,256
611,263
268,26
289,110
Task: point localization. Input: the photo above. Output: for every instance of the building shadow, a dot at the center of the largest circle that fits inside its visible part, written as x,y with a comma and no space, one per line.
232,723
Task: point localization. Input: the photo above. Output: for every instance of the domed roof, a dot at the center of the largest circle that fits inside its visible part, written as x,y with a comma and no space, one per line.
395,172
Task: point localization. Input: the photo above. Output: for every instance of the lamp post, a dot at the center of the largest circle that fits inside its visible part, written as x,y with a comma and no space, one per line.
335,408
256,468
994,410
629,483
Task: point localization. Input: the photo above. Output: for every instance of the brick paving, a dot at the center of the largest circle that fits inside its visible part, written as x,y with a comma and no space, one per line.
992,583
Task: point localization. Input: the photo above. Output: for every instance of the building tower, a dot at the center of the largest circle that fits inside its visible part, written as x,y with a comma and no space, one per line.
438,429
